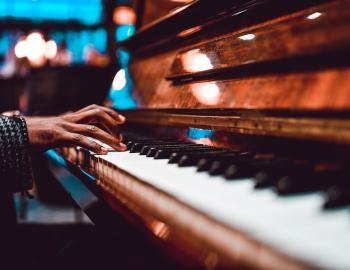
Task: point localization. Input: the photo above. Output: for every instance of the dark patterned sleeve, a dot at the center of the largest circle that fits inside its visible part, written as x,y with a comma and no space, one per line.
15,169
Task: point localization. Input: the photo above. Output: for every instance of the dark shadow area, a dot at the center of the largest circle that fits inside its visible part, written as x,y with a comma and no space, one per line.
55,90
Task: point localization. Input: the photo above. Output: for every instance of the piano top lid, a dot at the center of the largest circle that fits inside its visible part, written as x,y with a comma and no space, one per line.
194,14
200,14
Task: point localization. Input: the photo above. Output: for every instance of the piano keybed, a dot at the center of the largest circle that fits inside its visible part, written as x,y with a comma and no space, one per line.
296,206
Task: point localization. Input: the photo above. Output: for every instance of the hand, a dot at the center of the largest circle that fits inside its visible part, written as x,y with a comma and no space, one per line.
75,128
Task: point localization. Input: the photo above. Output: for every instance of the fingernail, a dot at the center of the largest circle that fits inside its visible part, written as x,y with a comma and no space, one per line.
122,118
104,150
123,146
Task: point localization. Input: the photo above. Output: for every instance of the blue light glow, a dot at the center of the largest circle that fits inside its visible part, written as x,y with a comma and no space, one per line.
122,99
56,157
196,133
85,11
59,160
76,41
124,31
4,43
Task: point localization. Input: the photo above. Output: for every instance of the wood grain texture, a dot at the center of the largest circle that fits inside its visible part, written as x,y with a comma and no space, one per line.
333,130
313,31
318,83
312,90
156,9
203,13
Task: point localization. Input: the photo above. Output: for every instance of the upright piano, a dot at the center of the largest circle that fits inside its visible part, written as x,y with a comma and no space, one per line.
238,145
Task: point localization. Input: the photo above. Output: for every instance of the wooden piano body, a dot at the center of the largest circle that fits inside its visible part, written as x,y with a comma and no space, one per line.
265,76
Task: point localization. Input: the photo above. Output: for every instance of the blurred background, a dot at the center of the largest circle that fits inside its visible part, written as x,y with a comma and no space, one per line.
56,56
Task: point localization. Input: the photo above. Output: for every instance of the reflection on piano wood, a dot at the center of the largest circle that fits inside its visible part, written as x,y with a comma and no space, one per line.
239,148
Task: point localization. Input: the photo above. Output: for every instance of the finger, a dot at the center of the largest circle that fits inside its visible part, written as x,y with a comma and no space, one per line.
114,114
120,118
67,113
81,140
97,133
97,116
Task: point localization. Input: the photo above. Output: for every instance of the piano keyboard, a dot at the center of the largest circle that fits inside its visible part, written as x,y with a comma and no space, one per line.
295,206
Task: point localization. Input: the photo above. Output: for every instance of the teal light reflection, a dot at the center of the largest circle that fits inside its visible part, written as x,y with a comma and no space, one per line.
122,96
77,40
197,134
51,153
84,11
4,43
59,160
123,32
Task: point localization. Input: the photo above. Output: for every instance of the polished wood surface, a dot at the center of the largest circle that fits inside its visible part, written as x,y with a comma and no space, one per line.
304,33
310,90
333,128
157,9
294,63
209,20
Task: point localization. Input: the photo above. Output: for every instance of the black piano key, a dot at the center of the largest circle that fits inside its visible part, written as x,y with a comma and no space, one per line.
192,159
337,196
305,179
289,184
247,167
220,166
167,152
205,163
176,156
132,142
239,170
137,146
153,150
145,149
266,178
129,144
270,173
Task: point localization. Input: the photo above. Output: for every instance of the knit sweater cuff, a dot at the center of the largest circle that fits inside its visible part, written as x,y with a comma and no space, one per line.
14,155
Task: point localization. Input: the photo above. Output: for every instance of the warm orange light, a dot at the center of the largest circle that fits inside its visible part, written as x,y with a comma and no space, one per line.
35,49
206,93
51,49
124,15
160,229
36,46
190,31
314,15
182,1
196,61
247,37
21,49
